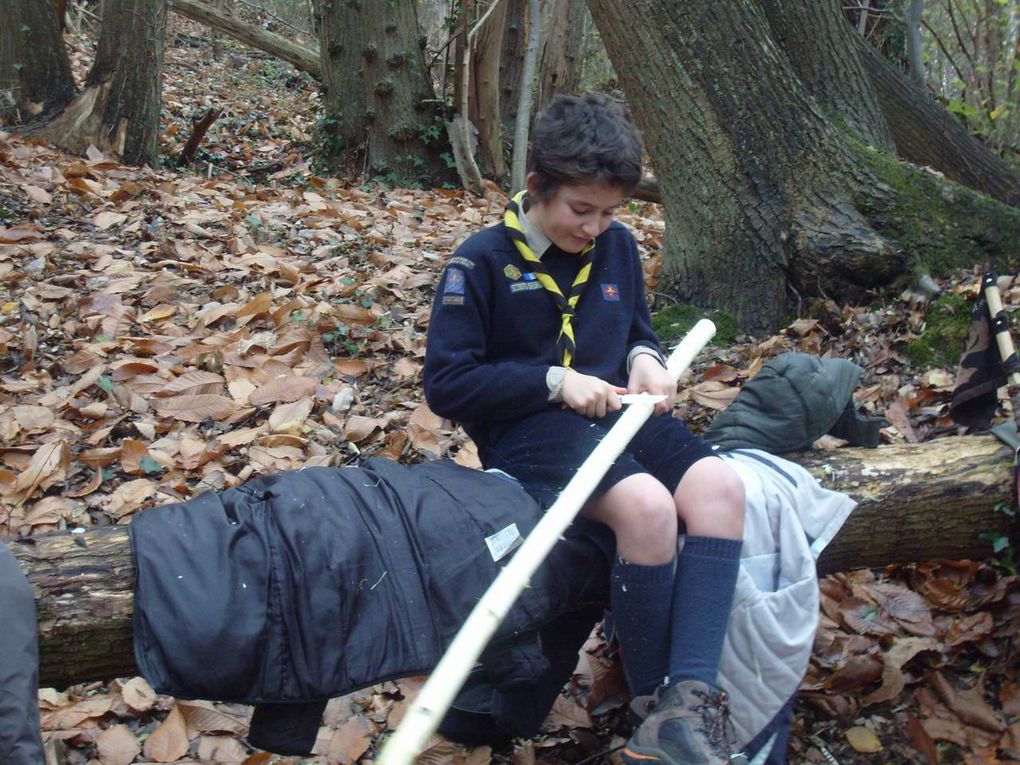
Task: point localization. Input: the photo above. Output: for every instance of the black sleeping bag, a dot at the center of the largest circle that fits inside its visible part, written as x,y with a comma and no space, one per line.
300,586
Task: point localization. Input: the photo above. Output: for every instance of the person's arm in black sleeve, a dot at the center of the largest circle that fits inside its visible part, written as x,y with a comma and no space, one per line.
460,382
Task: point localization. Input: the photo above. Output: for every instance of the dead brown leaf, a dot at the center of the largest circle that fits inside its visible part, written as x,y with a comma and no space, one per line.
714,394
424,429
48,465
290,418
169,741
132,452
566,713
117,745
283,390
901,652
350,741
922,742
204,717
968,704
863,739
138,694
196,408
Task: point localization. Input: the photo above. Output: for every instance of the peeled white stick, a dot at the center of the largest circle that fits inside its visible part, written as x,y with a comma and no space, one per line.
1002,339
449,675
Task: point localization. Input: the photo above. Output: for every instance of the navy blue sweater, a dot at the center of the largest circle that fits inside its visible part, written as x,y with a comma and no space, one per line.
492,335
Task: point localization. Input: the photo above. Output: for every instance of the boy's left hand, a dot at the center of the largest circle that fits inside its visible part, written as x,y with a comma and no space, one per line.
647,375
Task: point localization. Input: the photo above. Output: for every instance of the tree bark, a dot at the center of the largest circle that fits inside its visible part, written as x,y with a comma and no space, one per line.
304,58
118,111
83,585
933,500
917,502
754,180
927,134
766,196
560,58
35,72
817,40
381,119
912,21
515,40
526,97
484,108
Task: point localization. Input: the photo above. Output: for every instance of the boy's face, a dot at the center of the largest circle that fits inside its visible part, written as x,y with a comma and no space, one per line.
574,215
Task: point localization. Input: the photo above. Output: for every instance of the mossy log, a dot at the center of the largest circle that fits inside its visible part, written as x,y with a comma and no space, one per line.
917,502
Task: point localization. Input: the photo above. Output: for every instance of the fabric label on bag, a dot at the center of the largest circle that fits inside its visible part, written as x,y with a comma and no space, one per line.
504,542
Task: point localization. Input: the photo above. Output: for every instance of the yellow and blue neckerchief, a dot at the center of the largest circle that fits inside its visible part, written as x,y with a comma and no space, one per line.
567,305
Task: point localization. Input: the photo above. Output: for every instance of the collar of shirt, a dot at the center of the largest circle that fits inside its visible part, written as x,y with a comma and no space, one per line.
537,241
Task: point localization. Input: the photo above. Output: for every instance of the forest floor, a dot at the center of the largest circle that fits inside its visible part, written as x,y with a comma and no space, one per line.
165,332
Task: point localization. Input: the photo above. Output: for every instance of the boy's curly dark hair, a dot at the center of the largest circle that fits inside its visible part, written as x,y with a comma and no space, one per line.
584,139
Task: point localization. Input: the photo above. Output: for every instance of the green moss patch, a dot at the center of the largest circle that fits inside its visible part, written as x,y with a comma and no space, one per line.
939,224
945,330
675,321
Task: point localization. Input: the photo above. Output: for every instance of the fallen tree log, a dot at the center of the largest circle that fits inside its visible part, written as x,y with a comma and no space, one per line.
917,502
304,58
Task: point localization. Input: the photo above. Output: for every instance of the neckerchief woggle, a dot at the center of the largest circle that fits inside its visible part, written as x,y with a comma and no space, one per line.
566,304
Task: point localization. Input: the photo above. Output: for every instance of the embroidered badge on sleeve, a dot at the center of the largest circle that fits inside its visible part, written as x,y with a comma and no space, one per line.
454,284
453,287
611,293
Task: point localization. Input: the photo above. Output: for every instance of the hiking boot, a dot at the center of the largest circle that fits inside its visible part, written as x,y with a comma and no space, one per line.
689,726
640,708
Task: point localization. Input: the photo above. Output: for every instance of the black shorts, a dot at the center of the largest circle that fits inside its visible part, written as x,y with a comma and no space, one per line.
544,451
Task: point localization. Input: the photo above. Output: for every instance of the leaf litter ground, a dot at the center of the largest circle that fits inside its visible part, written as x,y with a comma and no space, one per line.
164,333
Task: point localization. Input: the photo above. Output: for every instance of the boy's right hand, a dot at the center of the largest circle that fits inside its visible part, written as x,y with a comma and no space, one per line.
590,396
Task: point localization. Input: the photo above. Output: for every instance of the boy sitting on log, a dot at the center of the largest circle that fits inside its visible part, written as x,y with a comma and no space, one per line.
539,325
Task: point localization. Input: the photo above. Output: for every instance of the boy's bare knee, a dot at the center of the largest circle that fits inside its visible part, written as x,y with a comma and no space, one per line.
641,513
711,500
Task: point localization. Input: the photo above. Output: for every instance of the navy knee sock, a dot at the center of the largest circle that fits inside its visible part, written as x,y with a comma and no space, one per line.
640,597
702,597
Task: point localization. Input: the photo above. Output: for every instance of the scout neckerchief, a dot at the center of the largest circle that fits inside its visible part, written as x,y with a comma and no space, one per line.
567,305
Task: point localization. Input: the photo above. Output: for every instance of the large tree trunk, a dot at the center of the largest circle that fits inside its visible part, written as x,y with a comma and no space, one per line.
118,111
381,118
917,502
816,38
303,57
749,168
35,73
763,192
560,58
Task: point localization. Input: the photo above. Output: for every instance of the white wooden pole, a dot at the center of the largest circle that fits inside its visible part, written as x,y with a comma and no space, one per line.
446,680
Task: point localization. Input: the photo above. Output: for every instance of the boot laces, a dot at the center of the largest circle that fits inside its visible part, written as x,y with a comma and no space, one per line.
714,710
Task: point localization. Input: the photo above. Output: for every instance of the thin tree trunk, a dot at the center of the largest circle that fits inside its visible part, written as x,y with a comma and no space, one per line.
484,41
305,58
35,72
917,502
462,131
912,21
527,92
